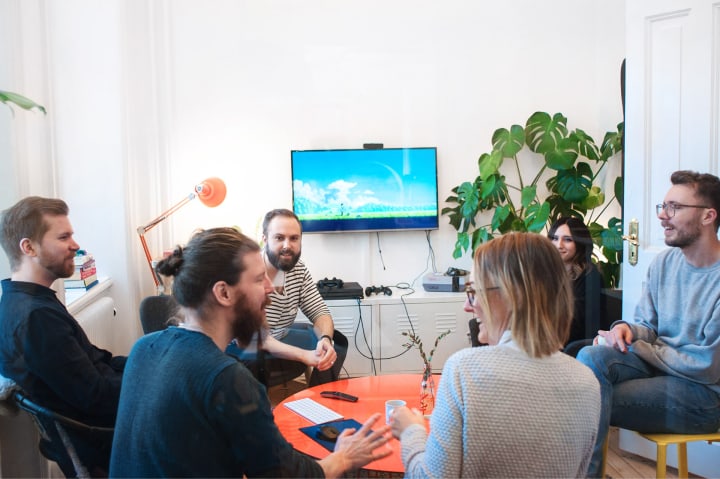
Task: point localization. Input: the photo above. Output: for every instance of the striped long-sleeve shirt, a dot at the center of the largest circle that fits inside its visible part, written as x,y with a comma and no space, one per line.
300,292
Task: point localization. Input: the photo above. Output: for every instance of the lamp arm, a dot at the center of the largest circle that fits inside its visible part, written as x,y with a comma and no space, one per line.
141,230
164,215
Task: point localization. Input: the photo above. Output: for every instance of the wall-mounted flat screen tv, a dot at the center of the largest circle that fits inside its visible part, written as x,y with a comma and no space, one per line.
365,190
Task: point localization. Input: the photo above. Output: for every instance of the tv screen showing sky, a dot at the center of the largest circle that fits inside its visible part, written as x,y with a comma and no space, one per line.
365,190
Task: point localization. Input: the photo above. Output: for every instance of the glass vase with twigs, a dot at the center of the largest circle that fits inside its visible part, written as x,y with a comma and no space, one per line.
427,385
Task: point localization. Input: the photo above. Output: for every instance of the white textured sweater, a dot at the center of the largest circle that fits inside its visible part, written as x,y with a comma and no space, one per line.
501,413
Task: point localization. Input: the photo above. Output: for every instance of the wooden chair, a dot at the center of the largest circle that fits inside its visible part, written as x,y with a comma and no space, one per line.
662,441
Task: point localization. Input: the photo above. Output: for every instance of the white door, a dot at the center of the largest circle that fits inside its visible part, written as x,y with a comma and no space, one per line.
671,120
672,107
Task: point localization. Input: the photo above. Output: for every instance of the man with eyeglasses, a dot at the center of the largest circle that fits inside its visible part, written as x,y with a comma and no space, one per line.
659,372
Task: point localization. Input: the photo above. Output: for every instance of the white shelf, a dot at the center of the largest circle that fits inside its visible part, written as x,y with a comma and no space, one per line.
77,299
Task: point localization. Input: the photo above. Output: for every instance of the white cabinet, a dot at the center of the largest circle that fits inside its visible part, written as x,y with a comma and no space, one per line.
374,328
354,320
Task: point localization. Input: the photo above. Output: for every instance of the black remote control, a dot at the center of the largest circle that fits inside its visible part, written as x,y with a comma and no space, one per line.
338,395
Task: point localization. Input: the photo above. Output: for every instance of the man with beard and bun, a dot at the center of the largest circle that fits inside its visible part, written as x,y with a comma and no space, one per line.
290,348
659,372
42,347
187,409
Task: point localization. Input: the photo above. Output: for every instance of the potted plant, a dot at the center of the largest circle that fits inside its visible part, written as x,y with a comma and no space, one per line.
569,162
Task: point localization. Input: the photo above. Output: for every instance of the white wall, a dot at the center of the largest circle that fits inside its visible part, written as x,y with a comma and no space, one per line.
149,98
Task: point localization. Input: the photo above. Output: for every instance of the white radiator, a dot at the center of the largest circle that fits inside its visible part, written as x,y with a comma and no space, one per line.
98,321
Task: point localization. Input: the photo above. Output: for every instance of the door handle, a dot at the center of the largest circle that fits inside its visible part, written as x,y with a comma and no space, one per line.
632,239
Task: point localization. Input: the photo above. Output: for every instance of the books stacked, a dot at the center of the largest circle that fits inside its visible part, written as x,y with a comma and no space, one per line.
85,275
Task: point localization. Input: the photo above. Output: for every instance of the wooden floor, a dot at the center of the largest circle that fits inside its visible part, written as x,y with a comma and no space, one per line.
620,464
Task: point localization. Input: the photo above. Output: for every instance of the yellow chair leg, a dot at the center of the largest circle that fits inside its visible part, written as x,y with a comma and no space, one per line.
682,460
660,468
605,453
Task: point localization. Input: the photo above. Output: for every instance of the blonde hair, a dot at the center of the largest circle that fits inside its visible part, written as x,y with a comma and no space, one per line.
530,275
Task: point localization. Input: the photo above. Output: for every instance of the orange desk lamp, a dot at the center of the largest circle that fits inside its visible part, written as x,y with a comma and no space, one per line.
211,192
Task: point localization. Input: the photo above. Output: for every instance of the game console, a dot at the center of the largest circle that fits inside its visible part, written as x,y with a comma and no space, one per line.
338,289
443,282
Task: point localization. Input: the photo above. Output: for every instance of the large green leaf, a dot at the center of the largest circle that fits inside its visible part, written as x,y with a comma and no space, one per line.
462,216
509,143
454,217
563,156
595,198
500,217
619,189
480,235
489,164
487,187
559,208
493,191
19,100
596,230
527,195
462,243
542,133
573,185
536,216
612,143
469,202
585,144
612,236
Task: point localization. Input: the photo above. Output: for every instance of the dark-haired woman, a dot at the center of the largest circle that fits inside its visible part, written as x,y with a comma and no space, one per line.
572,239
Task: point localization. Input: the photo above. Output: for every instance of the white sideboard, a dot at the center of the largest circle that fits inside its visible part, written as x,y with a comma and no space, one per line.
374,328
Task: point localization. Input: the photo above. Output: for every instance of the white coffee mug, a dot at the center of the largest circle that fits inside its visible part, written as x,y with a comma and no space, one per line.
390,406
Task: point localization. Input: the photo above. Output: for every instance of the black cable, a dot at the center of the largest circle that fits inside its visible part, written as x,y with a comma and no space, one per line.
367,345
430,259
360,323
382,261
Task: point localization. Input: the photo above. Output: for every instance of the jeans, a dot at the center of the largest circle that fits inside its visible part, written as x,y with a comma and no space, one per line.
269,369
638,397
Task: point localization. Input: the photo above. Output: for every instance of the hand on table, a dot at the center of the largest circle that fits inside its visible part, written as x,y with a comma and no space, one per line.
402,417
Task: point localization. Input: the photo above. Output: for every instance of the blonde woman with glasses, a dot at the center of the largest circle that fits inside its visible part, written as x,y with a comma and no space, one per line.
518,407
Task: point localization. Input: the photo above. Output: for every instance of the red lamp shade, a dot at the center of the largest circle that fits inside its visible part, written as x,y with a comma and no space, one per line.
211,192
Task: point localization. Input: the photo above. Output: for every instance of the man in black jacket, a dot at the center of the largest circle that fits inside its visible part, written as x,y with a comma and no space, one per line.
42,347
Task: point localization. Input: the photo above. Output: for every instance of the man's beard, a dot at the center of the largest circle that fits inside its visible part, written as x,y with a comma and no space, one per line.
684,238
248,321
279,263
59,268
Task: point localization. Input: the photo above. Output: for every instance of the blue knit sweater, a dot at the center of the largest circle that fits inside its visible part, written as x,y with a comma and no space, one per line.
189,410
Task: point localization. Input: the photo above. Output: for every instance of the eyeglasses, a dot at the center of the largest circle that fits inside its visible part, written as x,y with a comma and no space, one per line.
470,291
671,208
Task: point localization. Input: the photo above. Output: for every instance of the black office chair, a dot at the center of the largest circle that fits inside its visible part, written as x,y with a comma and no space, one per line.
473,331
157,312
56,443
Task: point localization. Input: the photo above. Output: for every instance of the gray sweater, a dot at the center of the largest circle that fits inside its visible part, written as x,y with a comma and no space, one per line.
501,413
676,327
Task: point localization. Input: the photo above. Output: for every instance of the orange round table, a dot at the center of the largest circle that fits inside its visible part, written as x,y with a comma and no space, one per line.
372,392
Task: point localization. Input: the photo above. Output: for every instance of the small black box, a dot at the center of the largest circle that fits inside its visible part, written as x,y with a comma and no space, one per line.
349,290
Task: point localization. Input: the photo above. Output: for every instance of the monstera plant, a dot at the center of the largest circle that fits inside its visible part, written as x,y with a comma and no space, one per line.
9,98
569,162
